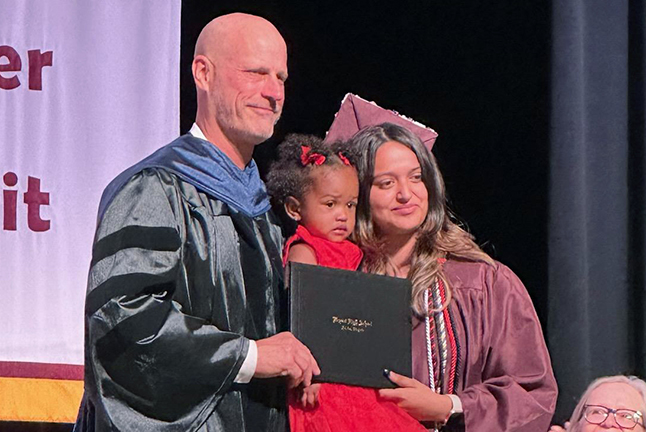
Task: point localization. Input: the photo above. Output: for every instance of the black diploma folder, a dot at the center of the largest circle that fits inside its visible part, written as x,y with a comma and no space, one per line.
355,324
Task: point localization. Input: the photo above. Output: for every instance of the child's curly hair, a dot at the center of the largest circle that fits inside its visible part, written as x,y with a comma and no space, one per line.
291,174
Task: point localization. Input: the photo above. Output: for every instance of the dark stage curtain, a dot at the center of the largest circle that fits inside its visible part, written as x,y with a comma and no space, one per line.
596,218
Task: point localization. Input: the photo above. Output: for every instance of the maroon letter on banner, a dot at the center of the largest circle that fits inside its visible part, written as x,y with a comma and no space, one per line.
36,63
34,198
15,64
9,202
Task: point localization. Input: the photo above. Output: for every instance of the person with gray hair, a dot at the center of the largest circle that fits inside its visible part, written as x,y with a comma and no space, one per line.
622,396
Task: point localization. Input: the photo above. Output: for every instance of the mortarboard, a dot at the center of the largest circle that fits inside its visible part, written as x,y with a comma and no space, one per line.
357,113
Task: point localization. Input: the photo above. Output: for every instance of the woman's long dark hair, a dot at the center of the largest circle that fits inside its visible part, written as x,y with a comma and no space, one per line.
437,237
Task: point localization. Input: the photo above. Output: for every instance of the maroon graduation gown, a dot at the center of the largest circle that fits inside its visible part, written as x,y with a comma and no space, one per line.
506,381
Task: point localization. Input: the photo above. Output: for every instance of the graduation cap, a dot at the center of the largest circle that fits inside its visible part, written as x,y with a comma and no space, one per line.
357,113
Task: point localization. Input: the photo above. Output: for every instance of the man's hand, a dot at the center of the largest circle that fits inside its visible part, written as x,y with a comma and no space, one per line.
284,355
416,399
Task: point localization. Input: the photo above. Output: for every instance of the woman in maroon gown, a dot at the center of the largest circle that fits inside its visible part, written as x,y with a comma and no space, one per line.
479,358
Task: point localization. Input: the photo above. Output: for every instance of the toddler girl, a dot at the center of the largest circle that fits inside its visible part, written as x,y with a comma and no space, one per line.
318,187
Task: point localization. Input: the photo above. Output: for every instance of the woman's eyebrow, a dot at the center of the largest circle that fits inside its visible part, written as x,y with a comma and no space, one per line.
419,168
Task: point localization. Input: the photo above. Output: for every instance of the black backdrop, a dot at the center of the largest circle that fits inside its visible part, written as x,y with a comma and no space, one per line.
597,218
478,74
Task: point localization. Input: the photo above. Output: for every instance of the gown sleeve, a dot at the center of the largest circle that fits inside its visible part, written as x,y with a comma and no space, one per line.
154,364
517,390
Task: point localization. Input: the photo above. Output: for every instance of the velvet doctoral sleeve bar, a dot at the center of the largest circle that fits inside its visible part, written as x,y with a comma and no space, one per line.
505,379
179,283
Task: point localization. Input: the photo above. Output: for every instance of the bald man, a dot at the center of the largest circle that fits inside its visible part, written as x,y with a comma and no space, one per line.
185,286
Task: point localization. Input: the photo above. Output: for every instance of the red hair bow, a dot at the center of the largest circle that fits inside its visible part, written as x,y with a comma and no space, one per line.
308,158
344,159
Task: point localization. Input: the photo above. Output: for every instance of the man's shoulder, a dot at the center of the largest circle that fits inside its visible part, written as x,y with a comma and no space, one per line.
150,164
158,159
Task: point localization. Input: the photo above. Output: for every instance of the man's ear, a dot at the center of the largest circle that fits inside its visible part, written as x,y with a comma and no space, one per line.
201,67
293,208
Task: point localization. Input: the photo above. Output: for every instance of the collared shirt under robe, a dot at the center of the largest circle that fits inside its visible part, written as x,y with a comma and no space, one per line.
179,283
505,378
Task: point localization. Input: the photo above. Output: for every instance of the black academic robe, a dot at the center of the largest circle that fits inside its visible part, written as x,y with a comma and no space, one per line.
179,283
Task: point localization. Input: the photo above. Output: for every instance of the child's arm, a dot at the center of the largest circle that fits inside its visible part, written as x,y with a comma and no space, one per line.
302,253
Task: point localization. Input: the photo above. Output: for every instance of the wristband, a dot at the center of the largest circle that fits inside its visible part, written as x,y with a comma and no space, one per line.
456,408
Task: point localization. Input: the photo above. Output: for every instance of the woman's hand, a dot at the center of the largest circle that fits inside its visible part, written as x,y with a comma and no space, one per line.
418,400
310,395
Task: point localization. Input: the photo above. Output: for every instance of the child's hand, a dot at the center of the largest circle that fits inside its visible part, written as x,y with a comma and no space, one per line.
310,395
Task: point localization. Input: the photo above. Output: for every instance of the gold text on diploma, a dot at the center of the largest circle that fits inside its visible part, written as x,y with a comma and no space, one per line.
352,324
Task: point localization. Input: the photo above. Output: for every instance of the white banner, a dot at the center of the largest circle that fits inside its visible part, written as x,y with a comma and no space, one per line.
87,88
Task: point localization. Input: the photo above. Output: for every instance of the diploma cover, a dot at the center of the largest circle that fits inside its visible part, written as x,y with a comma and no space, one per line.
355,324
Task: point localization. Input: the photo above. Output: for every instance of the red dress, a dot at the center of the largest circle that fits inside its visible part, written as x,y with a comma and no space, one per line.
341,407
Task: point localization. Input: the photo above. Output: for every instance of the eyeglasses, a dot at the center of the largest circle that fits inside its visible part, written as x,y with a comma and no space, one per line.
625,418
